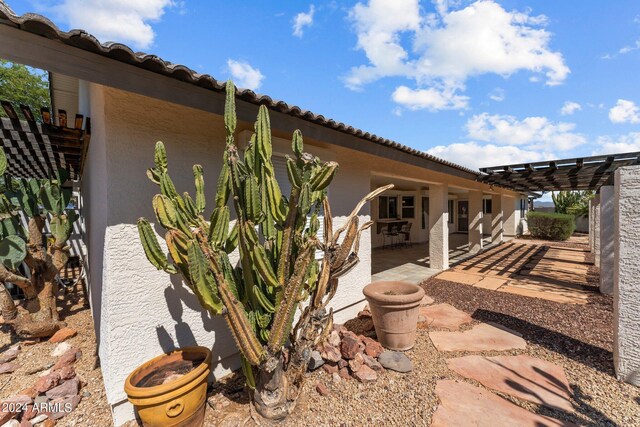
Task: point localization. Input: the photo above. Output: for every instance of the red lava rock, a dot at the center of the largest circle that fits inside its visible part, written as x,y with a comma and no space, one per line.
25,423
322,389
28,413
5,416
7,368
356,363
47,382
66,359
372,363
65,405
66,389
342,363
330,367
63,334
344,373
30,391
372,347
365,374
330,353
350,345
67,372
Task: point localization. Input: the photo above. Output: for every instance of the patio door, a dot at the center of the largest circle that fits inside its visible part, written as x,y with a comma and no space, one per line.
463,215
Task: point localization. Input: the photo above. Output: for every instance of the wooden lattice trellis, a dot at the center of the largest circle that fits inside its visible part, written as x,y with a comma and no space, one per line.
37,148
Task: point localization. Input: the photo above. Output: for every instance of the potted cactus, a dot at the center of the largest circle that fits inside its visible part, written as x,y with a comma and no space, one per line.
36,202
276,240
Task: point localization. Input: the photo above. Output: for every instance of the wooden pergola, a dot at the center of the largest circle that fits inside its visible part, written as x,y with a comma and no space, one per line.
584,173
36,148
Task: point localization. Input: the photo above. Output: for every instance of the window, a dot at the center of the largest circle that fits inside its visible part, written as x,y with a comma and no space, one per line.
387,207
451,211
425,212
487,206
408,207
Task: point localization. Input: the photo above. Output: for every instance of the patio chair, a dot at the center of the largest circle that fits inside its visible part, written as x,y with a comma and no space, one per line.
405,232
390,233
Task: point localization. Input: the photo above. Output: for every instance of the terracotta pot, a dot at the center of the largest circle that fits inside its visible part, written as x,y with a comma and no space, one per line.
180,402
394,307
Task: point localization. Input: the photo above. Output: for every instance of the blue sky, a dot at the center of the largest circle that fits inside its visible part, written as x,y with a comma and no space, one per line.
480,83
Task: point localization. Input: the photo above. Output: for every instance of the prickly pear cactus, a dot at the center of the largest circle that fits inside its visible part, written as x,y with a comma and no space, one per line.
276,239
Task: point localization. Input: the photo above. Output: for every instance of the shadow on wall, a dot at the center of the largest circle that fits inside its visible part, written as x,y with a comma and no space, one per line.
178,294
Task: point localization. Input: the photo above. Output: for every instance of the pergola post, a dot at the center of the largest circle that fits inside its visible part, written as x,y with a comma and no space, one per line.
626,274
497,224
607,232
596,229
509,215
439,226
592,222
475,221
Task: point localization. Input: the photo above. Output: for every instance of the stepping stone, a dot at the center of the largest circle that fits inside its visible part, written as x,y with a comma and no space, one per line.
463,404
395,361
444,316
522,376
482,337
458,277
426,300
491,283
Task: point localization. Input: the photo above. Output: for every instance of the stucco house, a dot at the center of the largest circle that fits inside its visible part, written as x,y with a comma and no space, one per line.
134,100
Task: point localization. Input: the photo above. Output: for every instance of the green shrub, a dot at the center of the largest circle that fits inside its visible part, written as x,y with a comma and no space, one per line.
551,226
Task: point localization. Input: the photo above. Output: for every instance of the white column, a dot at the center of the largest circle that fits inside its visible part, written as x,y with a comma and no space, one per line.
509,215
596,229
591,225
475,221
497,225
607,231
439,226
626,275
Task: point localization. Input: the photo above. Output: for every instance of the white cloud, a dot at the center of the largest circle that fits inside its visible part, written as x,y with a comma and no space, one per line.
244,75
431,99
624,112
450,46
302,20
534,133
618,144
123,21
497,95
569,108
475,156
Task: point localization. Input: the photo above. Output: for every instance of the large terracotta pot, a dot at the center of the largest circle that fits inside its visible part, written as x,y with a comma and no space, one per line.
179,402
394,307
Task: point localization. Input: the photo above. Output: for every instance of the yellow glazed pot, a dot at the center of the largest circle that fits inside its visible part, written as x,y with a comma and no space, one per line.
180,402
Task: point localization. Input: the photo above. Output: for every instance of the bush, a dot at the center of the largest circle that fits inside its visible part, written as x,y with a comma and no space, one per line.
551,226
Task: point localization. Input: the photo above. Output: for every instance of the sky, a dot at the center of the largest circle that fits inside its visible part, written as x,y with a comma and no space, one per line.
479,83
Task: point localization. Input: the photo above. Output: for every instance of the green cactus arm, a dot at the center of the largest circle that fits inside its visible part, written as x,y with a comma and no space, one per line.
199,182
230,110
160,158
296,143
13,250
202,279
287,305
3,161
152,248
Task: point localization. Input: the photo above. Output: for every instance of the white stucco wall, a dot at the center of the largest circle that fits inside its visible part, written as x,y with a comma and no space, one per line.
141,312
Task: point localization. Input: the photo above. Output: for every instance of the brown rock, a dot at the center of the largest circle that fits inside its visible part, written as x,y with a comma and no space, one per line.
47,382
372,363
372,347
67,359
17,400
7,368
65,406
342,363
29,391
364,313
330,367
344,373
330,353
67,372
356,363
339,328
365,374
462,404
9,355
28,413
63,334
48,423
322,389
5,416
350,345
66,389
334,339
335,377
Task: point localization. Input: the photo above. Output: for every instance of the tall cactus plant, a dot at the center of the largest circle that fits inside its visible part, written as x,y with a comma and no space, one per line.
274,239
35,202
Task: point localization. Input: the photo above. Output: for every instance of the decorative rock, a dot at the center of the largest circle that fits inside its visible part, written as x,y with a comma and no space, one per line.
344,373
12,423
334,339
426,300
396,361
61,349
364,313
45,372
39,368
47,382
29,391
350,345
10,354
17,400
63,334
7,368
335,377
463,404
356,363
38,419
5,416
339,328
372,363
521,376
66,359
330,353
365,374
315,361
342,363
444,316
66,389
372,347
65,404
28,413
482,337
330,367
67,372
40,400
322,389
